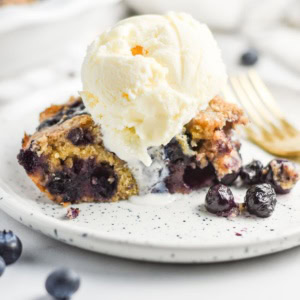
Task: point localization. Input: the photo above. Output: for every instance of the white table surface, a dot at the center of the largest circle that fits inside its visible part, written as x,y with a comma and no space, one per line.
102,277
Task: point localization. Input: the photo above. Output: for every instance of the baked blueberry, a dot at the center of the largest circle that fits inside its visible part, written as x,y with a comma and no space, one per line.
58,183
29,160
62,284
282,174
10,247
104,181
219,199
79,136
2,266
229,179
249,58
260,200
251,173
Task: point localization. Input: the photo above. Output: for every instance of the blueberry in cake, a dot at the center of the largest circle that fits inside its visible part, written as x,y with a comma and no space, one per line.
67,160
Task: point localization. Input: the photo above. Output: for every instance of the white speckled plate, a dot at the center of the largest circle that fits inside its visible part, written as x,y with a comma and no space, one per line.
179,232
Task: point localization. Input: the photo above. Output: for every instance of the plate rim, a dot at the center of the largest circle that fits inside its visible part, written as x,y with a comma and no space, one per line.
10,205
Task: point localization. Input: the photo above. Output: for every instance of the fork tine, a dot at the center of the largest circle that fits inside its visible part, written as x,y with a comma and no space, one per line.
243,98
260,108
270,102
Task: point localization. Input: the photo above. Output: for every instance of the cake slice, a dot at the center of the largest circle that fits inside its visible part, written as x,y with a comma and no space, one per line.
67,160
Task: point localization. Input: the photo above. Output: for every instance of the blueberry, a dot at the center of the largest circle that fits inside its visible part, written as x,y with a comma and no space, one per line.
52,120
62,283
10,247
104,181
282,174
251,173
249,58
260,200
219,199
29,160
58,183
229,179
79,136
2,266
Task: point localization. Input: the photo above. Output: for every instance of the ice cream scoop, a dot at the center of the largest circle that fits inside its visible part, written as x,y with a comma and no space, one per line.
147,77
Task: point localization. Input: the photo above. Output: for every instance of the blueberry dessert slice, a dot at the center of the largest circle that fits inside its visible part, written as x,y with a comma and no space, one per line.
260,200
207,152
67,160
282,174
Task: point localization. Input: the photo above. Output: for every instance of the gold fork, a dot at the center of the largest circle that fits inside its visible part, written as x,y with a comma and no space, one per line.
269,128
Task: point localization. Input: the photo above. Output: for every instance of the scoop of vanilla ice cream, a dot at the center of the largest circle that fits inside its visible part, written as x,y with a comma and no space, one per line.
146,77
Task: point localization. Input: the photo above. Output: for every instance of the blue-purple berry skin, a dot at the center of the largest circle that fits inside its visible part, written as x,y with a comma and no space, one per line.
260,200
229,179
219,199
249,58
10,247
62,283
2,266
252,172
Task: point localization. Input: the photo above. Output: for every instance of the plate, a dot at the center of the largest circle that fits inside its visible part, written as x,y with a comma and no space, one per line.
181,232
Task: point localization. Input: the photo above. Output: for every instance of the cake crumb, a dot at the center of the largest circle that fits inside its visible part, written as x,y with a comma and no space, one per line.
72,213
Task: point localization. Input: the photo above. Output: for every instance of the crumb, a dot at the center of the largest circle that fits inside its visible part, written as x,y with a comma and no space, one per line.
72,213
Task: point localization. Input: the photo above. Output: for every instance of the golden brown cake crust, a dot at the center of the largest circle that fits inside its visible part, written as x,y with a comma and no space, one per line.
218,115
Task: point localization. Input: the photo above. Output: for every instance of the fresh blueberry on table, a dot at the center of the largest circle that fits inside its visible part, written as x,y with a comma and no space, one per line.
219,199
2,266
282,174
62,284
249,58
10,247
260,200
251,173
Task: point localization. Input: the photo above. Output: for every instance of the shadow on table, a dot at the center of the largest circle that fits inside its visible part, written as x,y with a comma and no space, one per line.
43,298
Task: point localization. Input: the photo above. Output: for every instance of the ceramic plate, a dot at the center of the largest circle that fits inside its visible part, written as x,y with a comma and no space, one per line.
181,232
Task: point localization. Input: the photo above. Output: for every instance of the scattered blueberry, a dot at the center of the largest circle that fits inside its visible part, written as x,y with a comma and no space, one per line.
249,58
2,266
282,174
260,200
219,199
62,283
251,173
10,247
229,179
